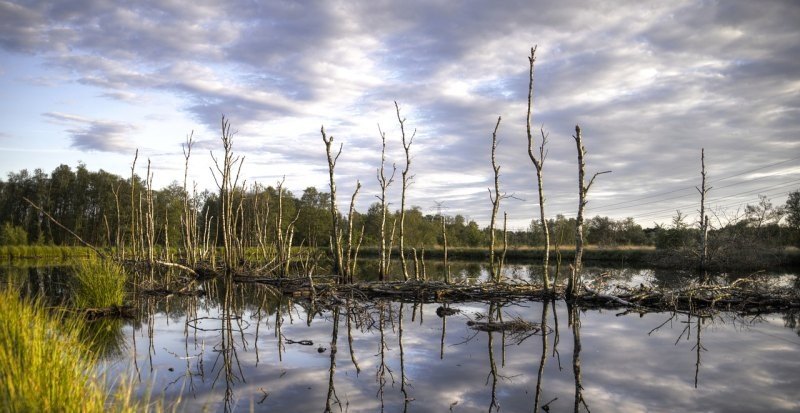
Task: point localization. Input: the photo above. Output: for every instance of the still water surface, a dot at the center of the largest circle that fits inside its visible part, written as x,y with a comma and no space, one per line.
240,348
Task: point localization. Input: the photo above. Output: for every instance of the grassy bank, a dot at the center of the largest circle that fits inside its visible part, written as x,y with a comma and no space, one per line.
46,367
42,252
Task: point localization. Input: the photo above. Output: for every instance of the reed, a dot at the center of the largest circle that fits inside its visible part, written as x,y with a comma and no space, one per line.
44,366
98,284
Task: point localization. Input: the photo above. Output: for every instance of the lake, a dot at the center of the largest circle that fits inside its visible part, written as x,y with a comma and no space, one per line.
242,348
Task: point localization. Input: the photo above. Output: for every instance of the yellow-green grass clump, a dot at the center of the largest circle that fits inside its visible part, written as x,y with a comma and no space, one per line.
98,284
44,367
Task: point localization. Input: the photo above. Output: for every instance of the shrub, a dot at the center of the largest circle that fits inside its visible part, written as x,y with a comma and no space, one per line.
13,235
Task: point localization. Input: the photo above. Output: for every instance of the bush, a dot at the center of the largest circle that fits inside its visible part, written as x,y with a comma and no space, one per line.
13,235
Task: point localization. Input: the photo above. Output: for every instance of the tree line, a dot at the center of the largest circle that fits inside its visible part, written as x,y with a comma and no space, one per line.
97,206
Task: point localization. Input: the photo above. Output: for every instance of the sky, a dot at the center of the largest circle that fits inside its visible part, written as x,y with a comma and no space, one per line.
650,83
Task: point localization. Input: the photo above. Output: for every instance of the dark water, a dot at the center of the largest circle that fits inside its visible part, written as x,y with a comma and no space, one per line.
242,349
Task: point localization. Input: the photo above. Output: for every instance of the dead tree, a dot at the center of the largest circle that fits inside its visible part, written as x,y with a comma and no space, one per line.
444,241
150,216
703,217
538,163
351,255
384,184
336,247
189,218
283,237
406,183
226,183
495,265
574,279
133,206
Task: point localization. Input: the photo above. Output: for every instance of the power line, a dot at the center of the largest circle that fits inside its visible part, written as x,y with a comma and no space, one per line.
690,205
692,187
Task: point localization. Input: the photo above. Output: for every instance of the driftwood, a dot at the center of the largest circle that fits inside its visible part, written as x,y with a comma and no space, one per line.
121,311
745,295
516,325
165,292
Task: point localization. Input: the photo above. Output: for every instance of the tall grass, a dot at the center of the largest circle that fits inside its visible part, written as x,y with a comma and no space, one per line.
44,366
98,284
18,252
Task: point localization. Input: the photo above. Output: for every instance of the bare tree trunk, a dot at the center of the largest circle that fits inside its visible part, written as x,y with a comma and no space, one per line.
336,248
574,280
150,216
118,240
133,205
446,266
384,184
538,163
189,220
495,198
227,183
349,257
703,218
406,183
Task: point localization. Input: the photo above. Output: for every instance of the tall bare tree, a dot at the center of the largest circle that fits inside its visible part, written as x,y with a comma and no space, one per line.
384,183
336,247
227,182
189,218
351,254
495,265
574,279
133,205
703,218
538,163
406,183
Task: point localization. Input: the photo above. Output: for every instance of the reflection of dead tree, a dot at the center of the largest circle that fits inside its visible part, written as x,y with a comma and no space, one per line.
227,347
383,368
493,404
332,397
543,360
575,322
698,347
403,381
687,332
443,312
350,316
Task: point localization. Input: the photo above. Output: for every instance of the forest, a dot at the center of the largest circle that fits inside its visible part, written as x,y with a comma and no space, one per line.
99,206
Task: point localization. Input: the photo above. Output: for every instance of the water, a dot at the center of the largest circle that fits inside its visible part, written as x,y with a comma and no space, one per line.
240,348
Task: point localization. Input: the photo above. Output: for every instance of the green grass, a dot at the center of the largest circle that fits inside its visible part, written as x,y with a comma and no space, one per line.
44,366
39,252
98,284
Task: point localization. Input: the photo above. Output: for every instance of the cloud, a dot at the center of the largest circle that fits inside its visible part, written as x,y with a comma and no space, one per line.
95,135
650,84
